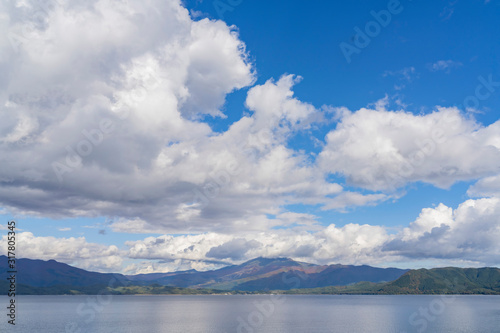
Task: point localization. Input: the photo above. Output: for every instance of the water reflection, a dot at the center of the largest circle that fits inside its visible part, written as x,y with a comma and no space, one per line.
257,313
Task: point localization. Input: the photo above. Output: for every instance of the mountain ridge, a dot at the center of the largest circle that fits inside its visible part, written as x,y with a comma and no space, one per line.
48,273
271,273
282,275
255,274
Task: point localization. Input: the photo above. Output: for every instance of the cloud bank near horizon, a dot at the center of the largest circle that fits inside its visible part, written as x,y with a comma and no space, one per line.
465,236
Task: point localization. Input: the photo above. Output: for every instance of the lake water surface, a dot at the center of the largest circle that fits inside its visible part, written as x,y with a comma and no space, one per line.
254,313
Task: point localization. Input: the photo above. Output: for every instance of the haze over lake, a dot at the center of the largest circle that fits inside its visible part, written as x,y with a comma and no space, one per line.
257,313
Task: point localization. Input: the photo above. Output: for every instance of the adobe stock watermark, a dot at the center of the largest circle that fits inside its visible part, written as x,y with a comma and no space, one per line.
223,6
363,37
93,305
94,137
484,90
265,309
28,31
85,147
220,179
12,272
421,318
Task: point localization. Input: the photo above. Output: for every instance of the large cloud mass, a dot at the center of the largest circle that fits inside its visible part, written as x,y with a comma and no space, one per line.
467,235
74,251
105,109
385,150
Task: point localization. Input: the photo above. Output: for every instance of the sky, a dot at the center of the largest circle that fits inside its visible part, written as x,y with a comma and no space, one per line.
165,135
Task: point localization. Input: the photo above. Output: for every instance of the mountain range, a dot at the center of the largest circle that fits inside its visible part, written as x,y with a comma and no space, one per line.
40,273
257,275
272,274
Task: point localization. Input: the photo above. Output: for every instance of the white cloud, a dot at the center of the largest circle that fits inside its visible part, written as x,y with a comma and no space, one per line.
218,65
404,76
470,233
385,150
107,106
444,65
235,249
466,235
428,219
148,266
133,226
352,243
486,187
274,104
167,247
406,73
353,199
74,251
104,107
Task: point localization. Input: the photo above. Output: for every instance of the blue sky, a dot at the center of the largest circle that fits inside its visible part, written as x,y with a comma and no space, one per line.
290,37
245,125
299,38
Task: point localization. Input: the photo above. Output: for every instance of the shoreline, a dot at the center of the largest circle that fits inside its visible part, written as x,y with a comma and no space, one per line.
255,294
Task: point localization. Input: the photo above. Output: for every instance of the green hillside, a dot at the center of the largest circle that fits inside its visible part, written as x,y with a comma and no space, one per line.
154,289
449,280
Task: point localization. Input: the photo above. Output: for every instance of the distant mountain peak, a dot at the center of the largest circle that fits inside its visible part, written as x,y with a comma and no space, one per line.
257,274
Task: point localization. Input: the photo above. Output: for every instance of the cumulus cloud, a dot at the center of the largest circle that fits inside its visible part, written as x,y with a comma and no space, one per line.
103,112
104,108
275,107
385,150
351,243
168,247
486,187
74,251
235,249
466,235
162,266
354,199
470,232
104,117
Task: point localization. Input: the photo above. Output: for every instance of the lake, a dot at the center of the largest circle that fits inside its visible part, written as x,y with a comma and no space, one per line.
254,313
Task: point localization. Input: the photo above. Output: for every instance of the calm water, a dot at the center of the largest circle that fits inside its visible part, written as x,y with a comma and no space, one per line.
259,313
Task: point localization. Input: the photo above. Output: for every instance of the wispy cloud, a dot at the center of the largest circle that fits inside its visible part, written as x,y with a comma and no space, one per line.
404,76
444,65
448,10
